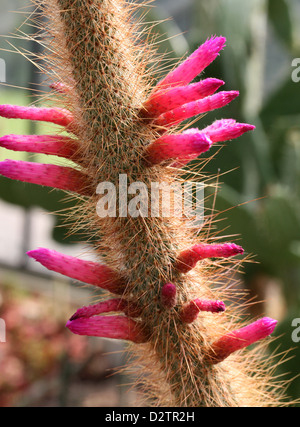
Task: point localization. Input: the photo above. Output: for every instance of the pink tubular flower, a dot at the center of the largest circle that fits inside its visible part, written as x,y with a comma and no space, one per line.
186,111
171,98
59,177
61,146
115,304
240,339
85,271
115,327
99,308
176,146
58,116
86,322
188,258
168,295
226,129
191,310
194,64
174,100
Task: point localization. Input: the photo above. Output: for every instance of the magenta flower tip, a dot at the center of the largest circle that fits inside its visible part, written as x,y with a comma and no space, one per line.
246,127
203,142
220,306
222,40
217,82
212,46
235,249
32,253
233,94
4,167
214,81
39,251
4,141
269,324
69,323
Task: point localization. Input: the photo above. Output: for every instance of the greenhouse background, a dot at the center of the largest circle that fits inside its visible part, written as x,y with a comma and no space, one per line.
42,363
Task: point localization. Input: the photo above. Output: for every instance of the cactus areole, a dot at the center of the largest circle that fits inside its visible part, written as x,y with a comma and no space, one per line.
166,280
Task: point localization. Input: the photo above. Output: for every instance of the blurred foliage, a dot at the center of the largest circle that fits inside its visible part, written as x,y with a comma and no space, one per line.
38,344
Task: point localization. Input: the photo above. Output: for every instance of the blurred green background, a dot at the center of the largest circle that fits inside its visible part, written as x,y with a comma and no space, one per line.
263,39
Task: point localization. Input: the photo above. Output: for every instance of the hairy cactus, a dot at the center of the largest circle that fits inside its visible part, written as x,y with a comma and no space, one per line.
169,280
